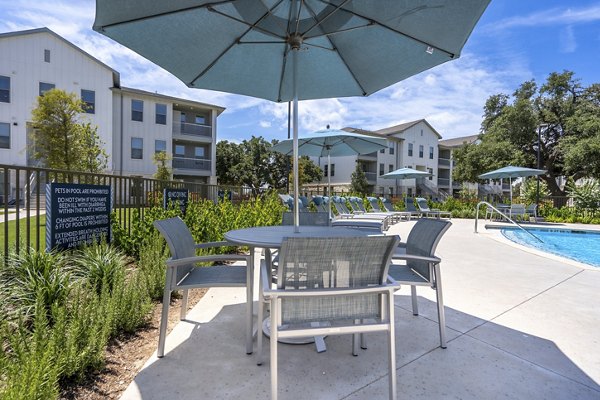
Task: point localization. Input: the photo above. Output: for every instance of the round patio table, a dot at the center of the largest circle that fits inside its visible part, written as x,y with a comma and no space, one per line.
271,237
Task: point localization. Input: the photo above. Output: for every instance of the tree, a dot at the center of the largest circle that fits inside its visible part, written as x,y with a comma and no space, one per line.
60,140
254,164
564,113
163,172
358,181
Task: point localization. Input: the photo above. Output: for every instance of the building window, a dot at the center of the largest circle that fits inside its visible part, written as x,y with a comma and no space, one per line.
45,87
381,169
4,135
199,152
420,151
326,170
431,152
137,110
200,119
161,114
410,149
430,170
137,148
47,55
382,151
390,167
4,89
179,150
160,146
89,101
392,150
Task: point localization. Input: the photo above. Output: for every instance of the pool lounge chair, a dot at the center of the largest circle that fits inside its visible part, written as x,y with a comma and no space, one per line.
428,212
409,206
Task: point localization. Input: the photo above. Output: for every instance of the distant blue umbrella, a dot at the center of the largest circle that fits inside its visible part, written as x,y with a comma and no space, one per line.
511,172
332,142
294,49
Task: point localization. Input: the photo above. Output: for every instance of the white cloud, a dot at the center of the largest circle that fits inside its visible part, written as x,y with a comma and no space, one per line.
553,16
567,41
264,124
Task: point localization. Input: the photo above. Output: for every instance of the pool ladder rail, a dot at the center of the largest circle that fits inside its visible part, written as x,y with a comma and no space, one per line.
505,216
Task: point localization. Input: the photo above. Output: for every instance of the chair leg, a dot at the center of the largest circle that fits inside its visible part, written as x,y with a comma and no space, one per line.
392,347
355,344
164,320
363,341
413,297
440,306
274,324
260,337
184,301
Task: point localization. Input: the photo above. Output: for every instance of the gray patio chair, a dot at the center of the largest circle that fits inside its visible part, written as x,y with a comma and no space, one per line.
409,206
357,205
531,211
340,207
306,218
183,273
320,203
422,267
517,211
431,212
343,290
389,208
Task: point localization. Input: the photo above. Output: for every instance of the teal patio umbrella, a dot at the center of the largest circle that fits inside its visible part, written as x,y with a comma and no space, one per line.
405,173
511,172
284,50
332,142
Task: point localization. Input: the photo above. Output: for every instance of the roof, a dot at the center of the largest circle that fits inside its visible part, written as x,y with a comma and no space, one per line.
402,127
116,75
170,98
459,141
370,133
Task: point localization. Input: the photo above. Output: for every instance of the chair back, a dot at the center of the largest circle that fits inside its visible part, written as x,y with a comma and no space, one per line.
333,262
303,204
422,204
358,203
318,218
423,240
374,203
409,205
180,241
287,200
387,204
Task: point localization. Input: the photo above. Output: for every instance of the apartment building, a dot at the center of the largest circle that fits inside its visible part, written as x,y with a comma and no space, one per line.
132,123
447,148
412,144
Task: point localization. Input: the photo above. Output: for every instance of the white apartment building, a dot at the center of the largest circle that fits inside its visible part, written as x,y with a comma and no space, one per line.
412,144
133,124
446,162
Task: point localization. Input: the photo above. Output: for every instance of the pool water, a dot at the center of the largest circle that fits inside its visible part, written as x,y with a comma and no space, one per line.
582,246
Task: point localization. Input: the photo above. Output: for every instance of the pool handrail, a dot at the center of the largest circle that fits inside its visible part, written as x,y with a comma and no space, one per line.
505,216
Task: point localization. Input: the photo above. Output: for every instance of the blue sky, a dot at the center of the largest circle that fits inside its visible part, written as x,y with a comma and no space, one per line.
515,41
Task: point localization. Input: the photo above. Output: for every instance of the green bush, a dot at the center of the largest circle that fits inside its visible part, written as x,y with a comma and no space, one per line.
99,264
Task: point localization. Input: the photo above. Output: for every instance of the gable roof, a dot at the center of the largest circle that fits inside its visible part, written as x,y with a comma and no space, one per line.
116,75
402,127
459,141
170,98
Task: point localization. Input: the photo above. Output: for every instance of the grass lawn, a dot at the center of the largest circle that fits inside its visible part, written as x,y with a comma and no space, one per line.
12,232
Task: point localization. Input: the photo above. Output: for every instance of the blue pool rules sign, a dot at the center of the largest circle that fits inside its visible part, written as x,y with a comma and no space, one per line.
77,214
176,196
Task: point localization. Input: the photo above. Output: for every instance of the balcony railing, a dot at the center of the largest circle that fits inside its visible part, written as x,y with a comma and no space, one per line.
443,182
444,162
197,164
371,176
187,128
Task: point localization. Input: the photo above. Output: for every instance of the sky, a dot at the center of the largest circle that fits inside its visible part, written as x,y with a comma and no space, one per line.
514,41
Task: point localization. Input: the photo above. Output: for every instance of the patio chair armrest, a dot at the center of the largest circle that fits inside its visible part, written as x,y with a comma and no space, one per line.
208,245
415,257
386,287
212,258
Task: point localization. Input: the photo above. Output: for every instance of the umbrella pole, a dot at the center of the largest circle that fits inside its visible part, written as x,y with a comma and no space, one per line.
510,187
329,183
295,140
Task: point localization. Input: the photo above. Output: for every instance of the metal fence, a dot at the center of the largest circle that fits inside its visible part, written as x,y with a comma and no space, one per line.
23,199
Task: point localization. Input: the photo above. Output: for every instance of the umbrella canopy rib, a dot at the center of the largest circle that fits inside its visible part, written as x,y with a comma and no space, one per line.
325,18
412,37
164,14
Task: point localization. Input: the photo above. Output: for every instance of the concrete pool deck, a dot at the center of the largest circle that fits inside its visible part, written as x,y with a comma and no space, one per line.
520,326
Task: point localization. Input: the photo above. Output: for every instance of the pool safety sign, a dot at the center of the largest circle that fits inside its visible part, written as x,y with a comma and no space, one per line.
176,196
76,214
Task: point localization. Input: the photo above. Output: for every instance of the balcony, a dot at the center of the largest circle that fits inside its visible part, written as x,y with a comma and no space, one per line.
444,182
444,162
192,164
371,176
187,128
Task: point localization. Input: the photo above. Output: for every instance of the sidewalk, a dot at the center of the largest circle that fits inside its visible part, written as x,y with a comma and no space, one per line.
520,326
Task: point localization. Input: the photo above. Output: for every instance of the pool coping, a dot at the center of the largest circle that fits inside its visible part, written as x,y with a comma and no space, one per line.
494,231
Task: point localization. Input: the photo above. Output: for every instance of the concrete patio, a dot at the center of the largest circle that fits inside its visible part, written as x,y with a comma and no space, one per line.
520,326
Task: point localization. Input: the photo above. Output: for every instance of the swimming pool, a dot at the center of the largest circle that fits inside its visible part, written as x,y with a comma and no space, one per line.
578,245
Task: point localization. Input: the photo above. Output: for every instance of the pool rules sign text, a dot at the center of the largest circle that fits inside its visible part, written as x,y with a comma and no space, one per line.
76,214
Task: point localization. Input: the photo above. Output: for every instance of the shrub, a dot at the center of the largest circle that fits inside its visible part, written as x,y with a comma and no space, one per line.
99,264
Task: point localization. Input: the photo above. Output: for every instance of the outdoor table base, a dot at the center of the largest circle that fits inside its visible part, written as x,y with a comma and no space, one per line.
319,341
